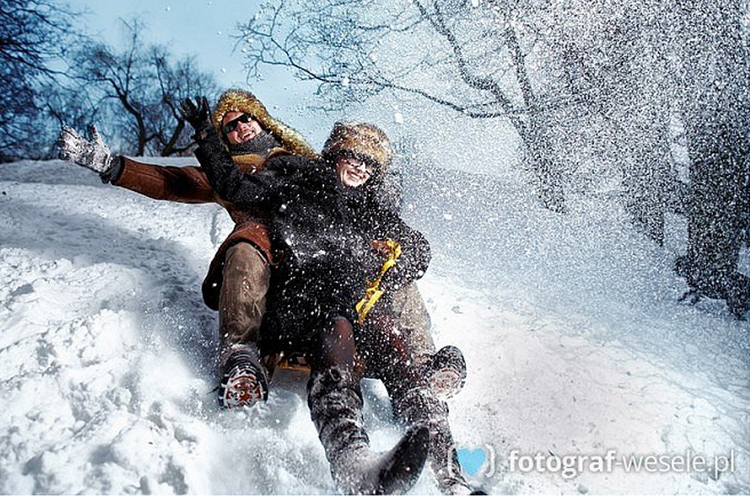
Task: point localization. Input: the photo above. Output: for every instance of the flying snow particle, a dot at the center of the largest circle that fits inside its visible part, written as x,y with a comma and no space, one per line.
475,3
345,81
223,70
167,8
448,216
398,118
218,32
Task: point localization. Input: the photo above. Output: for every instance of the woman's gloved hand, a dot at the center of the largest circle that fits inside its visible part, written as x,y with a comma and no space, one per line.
198,114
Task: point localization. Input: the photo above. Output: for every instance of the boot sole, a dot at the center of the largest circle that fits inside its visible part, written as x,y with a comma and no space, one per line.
447,383
243,389
407,461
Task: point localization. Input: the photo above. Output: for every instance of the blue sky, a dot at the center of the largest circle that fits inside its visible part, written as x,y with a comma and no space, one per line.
199,27
204,28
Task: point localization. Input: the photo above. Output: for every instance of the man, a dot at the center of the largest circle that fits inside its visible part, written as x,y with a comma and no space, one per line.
238,276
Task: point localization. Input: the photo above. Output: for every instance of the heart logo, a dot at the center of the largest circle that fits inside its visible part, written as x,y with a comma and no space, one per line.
471,460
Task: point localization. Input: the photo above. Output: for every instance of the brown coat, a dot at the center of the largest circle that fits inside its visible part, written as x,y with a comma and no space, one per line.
190,185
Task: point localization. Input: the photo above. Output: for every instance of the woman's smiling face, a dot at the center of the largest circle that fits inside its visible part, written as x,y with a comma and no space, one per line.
353,172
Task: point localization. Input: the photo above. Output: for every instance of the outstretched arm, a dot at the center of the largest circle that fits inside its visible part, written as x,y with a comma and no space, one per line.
180,184
186,184
90,152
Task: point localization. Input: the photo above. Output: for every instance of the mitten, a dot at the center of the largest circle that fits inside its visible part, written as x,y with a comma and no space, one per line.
91,153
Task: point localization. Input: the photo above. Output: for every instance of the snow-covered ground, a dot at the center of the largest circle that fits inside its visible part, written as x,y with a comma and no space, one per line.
575,341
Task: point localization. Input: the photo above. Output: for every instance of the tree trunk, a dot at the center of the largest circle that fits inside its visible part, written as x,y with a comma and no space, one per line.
719,146
716,215
539,153
646,180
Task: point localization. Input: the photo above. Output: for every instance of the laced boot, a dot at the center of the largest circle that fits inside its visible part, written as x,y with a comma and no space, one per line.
244,381
335,402
420,406
445,372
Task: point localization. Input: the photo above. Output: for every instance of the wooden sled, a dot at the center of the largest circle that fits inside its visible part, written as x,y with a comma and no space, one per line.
290,372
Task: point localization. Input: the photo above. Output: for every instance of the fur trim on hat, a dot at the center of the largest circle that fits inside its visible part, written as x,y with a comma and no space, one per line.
363,140
236,100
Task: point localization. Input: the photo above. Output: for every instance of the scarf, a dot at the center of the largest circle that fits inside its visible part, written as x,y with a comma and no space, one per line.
260,145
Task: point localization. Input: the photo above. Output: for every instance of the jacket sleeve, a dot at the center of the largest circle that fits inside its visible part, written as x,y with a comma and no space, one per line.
232,185
415,256
281,176
180,184
415,249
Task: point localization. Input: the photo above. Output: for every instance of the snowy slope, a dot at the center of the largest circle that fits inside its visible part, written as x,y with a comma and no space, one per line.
575,343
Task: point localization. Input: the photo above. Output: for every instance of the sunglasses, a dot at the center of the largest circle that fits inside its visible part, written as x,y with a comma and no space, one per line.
232,125
357,162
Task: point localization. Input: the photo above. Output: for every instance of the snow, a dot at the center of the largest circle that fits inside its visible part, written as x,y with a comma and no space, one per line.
574,338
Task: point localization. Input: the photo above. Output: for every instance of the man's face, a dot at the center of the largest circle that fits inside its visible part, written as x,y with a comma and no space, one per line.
238,131
353,172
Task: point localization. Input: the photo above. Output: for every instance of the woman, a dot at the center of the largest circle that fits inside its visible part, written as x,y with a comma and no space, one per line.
324,215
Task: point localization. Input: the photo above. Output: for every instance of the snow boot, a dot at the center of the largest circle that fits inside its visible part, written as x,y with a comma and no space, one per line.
420,406
244,381
335,402
445,372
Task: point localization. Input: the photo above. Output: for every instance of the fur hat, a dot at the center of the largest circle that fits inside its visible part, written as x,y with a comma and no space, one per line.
364,141
236,100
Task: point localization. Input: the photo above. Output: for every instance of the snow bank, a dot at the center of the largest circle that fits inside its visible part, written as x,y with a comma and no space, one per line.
574,339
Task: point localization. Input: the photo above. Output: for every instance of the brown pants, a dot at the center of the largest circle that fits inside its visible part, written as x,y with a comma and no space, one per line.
405,315
242,300
414,320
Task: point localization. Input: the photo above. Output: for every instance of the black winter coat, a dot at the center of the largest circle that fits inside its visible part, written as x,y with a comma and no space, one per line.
322,232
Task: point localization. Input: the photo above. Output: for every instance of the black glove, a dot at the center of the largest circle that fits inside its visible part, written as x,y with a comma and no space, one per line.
91,152
198,114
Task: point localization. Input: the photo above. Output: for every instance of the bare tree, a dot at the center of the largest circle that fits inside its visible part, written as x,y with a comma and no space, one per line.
717,114
177,81
582,82
471,60
617,62
33,35
140,88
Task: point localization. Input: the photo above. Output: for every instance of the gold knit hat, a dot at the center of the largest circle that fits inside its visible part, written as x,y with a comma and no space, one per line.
236,100
362,140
